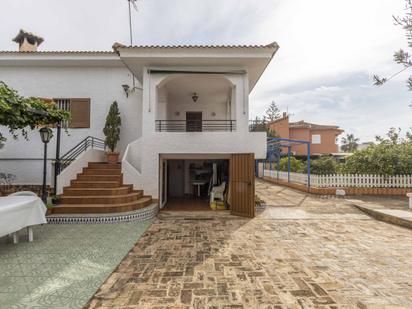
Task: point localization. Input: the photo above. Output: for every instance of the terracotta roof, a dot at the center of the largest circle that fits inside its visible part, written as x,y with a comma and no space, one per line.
119,45
303,124
57,52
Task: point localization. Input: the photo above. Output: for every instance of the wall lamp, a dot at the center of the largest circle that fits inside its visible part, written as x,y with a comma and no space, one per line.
127,90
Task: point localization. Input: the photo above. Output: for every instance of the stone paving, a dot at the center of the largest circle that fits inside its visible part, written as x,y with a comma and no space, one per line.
327,255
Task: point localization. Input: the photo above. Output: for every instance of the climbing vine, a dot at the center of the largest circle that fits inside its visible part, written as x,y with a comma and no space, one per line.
19,113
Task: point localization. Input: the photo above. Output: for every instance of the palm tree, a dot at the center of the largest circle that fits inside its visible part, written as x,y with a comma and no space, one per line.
349,143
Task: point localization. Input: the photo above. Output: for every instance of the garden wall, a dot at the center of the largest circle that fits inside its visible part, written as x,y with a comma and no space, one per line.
348,191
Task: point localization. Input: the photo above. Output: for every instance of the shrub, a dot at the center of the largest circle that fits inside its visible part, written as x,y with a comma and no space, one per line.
386,158
112,127
295,165
323,166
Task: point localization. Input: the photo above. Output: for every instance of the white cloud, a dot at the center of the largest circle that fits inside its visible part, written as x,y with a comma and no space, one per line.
322,72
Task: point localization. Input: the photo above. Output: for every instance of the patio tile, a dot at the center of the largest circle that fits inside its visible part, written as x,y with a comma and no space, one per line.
64,265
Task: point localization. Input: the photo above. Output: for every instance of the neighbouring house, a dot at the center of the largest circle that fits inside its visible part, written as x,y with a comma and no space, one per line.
184,110
364,145
322,138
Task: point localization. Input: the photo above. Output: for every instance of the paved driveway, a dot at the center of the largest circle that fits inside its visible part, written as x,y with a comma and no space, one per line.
302,252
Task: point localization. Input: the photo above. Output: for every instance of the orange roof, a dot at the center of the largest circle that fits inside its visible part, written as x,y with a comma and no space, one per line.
307,125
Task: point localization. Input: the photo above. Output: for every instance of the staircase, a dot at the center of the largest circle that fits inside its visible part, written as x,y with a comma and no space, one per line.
100,189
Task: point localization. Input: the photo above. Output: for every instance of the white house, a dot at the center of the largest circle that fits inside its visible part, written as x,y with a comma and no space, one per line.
184,109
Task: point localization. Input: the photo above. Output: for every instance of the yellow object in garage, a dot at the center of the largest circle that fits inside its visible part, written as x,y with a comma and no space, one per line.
217,205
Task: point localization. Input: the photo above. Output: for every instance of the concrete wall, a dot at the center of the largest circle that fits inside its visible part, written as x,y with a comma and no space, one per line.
156,143
102,85
139,112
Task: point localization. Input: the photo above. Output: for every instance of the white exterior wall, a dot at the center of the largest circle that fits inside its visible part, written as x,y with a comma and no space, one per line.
156,143
139,112
101,84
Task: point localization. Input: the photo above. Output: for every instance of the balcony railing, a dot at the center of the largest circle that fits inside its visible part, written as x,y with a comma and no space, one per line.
257,126
195,125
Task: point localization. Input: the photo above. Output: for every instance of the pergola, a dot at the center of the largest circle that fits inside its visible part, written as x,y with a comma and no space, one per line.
274,153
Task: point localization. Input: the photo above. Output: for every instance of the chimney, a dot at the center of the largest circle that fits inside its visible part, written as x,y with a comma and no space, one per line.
28,42
284,114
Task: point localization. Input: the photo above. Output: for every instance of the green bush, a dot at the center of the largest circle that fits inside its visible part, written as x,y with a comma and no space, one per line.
386,158
323,166
112,127
295,165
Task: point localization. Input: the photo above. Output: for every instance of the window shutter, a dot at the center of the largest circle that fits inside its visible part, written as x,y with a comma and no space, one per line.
80,113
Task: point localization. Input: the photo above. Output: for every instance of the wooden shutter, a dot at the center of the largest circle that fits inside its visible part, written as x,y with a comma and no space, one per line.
80,113
242,185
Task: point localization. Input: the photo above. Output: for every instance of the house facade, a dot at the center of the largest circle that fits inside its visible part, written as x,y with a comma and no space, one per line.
184,109
322,138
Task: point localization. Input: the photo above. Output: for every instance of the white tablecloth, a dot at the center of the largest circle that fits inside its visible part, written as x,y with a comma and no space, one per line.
17,212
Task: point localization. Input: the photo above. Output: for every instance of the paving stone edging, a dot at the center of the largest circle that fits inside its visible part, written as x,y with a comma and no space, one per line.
138,215
378,215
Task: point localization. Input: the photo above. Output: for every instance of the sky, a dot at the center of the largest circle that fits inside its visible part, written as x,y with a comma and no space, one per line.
322,73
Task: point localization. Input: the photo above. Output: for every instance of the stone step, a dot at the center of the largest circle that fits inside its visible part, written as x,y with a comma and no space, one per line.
100,177
70,191
102,208
104,165
94,184
101,171
102,199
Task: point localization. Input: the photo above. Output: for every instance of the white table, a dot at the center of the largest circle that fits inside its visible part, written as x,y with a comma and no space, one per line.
18,212
199,183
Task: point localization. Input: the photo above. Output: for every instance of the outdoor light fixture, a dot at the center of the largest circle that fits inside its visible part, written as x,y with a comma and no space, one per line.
126,89
45,135
195,96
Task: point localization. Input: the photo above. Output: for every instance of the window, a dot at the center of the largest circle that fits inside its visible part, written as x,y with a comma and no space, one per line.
79,110
316,139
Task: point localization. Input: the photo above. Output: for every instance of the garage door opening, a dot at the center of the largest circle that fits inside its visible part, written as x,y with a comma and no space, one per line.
195,182
191,184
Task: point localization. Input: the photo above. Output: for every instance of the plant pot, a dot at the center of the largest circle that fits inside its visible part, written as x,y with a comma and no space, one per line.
112,157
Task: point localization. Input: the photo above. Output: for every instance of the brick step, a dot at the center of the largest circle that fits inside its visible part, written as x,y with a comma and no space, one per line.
104,165
102,208
100,177
70,191
102,199
94,184
101,171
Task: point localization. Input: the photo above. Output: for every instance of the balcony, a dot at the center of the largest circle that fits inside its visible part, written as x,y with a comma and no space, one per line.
258,126
195,125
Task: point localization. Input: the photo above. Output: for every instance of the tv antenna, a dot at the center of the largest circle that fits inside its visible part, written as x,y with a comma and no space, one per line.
131,3
134,4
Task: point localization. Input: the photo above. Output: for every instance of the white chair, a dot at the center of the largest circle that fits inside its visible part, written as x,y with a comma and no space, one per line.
218,192
29,228
23,193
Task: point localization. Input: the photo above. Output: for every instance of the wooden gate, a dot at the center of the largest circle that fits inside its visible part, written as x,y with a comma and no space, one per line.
242,185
